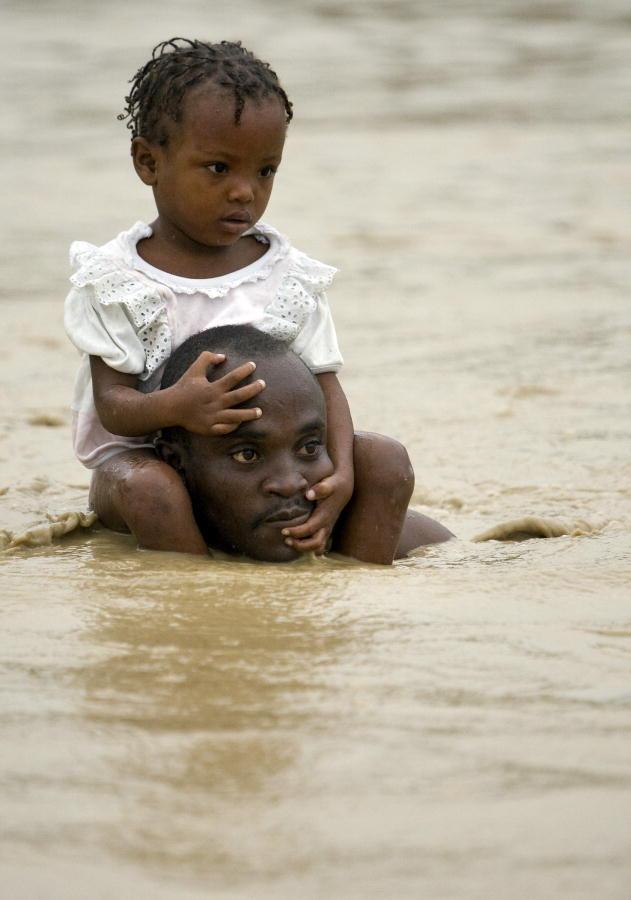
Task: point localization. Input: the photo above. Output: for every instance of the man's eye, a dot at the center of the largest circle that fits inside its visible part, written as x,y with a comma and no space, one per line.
268,171
246,456
217,168
311,448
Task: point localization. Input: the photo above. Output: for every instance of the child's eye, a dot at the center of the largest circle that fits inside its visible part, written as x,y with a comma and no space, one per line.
268,171
246,456
217,168
311,448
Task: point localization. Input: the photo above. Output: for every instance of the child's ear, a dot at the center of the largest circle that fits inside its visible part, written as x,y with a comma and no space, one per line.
170,453
144,157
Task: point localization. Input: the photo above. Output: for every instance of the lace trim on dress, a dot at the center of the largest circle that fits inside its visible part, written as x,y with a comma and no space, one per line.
306,279
279,248
115,281
144,300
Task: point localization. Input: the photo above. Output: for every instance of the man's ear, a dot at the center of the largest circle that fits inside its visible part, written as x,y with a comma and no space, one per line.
171,453
144,156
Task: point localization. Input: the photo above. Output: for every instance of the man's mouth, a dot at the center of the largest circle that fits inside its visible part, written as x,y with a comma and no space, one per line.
288,516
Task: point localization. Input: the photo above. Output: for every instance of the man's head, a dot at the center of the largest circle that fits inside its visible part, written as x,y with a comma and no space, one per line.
248,485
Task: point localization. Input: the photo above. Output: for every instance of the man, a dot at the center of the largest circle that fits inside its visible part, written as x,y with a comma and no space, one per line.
250,488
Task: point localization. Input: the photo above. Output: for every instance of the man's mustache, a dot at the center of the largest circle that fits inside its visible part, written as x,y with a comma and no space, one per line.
286,511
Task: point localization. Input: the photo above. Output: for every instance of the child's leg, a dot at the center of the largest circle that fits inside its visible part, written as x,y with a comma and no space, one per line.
135,491
376,526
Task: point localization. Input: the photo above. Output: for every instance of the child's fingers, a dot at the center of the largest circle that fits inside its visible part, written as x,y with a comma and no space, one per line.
223,422
203,362
240,395
224,429
234,376
234,418
321,490
314,523
239,415
314,544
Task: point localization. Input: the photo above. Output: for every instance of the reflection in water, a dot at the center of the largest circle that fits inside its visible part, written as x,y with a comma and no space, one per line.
208,689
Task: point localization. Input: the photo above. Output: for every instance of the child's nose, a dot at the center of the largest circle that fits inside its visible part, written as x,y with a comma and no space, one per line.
241,190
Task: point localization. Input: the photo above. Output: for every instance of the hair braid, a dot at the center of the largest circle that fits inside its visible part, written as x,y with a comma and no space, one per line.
158,88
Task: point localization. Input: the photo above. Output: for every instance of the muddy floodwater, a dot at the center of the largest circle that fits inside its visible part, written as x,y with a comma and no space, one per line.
457,725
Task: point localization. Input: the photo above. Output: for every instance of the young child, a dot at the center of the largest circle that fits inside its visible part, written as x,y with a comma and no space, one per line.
208,124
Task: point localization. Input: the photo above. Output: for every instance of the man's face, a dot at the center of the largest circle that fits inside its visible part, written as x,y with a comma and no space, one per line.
248,485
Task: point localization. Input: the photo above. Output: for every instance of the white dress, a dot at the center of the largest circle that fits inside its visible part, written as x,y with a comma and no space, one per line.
133,316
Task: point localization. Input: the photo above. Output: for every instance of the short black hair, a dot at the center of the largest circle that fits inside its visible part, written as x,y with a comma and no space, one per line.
158,88
245,340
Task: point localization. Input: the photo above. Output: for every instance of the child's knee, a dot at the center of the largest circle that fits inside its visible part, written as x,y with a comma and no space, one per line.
383,465
154,490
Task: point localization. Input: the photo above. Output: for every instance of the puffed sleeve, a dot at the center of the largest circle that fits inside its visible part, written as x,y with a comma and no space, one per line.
316,343
300,313
116,314
103,331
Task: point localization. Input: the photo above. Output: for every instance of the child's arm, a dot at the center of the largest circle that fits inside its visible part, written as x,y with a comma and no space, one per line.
334,492
193,402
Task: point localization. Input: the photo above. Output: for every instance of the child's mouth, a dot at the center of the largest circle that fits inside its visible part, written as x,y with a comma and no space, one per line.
236,223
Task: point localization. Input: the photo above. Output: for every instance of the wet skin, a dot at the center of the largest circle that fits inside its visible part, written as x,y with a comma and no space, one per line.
249,485
212,181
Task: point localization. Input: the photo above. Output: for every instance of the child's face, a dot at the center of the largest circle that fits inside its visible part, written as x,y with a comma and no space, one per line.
213,179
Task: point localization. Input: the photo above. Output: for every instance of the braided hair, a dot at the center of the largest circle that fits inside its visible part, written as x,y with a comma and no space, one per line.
158,88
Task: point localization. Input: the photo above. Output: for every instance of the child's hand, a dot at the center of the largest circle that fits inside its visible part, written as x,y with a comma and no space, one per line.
205,407
332,494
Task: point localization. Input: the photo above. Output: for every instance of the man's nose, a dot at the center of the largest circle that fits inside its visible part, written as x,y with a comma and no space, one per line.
286,481
240,190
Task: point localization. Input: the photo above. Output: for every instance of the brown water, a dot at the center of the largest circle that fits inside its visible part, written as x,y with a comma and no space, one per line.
457,726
